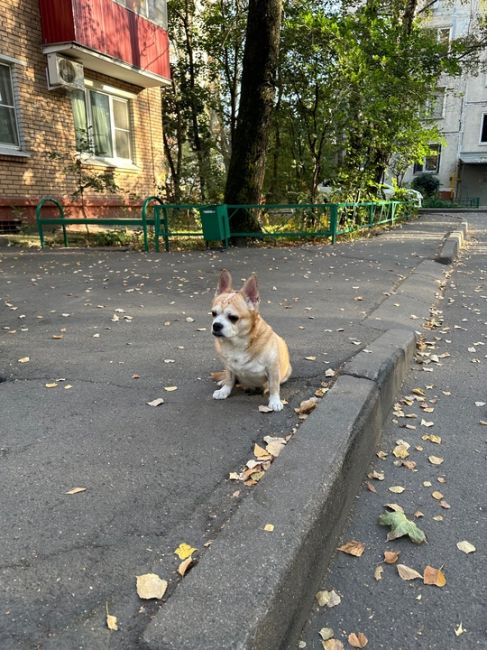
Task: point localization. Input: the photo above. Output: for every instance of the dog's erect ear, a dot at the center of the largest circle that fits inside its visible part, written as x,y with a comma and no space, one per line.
250,292
224,283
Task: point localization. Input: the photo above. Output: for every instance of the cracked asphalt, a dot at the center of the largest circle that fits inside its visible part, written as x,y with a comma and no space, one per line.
109,331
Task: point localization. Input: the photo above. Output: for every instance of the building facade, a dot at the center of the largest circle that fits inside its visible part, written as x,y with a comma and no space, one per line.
80,80
460,111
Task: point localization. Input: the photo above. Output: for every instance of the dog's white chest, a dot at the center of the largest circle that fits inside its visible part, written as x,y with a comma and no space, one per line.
250,371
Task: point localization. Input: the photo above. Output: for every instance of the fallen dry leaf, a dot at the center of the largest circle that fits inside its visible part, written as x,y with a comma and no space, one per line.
406,573
170,389
391,557
434,577
269,528
357,640
466,547
435,460
379,570
333,644
432,438
52,384
328,598
396,489
112,622
260,452
378,476
184,551
400,451
306,406
437,495
265,409
24,360
156,402
459,630
326,633
150,585
76,490
352,548
185,565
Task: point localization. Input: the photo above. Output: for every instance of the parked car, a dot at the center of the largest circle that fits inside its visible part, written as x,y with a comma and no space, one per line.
388,192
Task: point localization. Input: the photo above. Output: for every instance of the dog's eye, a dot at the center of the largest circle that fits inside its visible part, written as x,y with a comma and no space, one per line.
213,313
233,319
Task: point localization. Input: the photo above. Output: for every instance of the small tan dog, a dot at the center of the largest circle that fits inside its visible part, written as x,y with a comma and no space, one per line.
253,354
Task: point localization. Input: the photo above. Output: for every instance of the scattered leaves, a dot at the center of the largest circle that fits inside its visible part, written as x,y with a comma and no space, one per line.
328,598
391,557
435,460
185,565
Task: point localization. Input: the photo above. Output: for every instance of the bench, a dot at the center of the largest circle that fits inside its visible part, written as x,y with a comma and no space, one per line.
143,221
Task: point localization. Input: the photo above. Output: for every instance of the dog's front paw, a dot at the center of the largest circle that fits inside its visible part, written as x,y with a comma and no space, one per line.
275,403
222,393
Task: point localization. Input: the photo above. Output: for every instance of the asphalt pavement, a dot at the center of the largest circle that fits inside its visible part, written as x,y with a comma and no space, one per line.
90,337
441,414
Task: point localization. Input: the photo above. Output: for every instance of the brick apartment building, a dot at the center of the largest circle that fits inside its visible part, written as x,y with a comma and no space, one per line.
78,73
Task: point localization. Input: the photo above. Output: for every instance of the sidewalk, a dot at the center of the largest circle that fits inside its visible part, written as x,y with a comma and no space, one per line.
120,328
442,415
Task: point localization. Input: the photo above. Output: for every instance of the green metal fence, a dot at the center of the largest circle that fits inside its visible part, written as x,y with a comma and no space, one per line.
286,220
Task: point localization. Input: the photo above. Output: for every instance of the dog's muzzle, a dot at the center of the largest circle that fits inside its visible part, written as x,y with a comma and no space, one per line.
217,329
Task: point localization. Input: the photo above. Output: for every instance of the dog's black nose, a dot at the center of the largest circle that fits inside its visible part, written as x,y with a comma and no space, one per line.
217,327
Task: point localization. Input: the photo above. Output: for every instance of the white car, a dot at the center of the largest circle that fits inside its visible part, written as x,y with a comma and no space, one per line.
388,192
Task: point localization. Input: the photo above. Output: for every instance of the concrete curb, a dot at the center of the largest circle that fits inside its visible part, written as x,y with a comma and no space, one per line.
251,587
453,244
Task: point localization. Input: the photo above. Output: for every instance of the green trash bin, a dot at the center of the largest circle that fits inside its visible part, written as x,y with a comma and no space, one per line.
215,223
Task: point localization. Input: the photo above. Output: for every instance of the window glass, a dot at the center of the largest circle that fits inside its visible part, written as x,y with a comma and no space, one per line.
102,124
483,133
432,160
100,114
153,10
8,122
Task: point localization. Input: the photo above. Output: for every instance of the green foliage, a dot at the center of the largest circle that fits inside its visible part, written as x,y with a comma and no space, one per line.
427,184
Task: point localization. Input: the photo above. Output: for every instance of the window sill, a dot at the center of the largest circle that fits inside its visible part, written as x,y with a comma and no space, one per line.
125,166
17,153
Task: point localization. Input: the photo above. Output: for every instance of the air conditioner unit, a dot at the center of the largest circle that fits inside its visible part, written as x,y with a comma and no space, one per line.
65,72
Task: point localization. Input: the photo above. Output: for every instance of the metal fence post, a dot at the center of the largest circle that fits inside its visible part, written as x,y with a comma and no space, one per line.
333,221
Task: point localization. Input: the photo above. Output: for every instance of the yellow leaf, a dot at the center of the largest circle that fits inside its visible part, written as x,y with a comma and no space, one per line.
400,451
306,406
406,573
269,528
184,566
150,585
379,570
184,550
352,548
52,384
459,630
234,476
357,640
260,452
326,633
24,360
396,489
434,576
437,495
76,490
112,622
432,438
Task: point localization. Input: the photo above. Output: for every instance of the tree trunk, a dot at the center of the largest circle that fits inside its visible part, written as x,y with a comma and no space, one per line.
247,163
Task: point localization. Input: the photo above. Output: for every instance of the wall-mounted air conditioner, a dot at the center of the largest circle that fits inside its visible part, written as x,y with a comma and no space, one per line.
62,71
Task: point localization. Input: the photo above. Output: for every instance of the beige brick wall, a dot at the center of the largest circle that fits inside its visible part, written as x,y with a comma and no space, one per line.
46,125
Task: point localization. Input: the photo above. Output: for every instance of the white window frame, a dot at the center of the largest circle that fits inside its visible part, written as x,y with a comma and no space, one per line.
112,94
7,147
430,105
484,118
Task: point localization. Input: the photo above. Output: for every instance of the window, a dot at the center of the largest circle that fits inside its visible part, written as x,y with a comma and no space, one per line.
443,35
153,10
102,124
9,133
431,162
435,107
483,129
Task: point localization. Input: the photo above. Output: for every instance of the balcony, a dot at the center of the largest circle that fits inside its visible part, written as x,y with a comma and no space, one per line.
124,39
